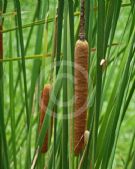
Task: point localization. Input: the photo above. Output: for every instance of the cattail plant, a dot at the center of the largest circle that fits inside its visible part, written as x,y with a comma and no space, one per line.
43,107
81,86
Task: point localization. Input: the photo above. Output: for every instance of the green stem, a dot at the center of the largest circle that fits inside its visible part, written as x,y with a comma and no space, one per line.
65,105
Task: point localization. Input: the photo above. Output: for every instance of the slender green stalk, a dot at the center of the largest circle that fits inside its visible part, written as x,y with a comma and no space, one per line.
65,105
59,33
5,6
12,110
60,10
100,55
87,20
133,161
130,151
4,151
17,4
32,26
70,58
26,57
71,23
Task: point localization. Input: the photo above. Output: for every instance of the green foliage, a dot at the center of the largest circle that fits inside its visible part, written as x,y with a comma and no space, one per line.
38,48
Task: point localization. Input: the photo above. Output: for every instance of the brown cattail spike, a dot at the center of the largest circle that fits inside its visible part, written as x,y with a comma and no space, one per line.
81,91
43,107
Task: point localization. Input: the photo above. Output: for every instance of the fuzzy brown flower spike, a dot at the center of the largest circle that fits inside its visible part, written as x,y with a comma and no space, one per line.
81,90
81,86
43,107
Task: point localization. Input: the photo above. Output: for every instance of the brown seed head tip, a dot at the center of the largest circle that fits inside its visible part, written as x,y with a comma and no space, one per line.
82,43
47,87
46,91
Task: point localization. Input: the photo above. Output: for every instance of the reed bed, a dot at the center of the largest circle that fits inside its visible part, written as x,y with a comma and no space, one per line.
67,81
